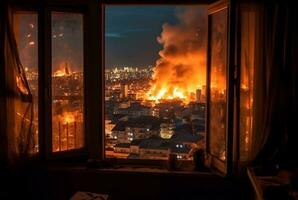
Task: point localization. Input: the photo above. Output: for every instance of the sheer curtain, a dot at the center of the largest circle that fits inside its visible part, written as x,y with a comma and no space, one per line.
247,19
18,98
268,94
3,138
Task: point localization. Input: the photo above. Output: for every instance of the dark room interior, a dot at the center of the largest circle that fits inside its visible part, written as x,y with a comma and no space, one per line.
174,100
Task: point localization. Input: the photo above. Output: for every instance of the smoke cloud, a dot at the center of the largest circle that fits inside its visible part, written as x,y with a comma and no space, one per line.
181,68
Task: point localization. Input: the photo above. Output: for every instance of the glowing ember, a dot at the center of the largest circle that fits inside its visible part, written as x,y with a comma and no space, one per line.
181,68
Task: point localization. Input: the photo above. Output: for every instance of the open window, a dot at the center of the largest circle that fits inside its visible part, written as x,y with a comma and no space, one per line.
155,81
220,87
145,114
124,138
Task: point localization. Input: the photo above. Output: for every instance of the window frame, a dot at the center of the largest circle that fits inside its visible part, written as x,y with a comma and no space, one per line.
93,34
43,11
48,84
227,167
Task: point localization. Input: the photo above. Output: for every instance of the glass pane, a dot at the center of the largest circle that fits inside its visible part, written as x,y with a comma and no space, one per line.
67,81
155,81
218,76
248,24
25,29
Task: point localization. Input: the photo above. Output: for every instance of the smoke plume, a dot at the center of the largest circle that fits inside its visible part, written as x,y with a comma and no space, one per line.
181,68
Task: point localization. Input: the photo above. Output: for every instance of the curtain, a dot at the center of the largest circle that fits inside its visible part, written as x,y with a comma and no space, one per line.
247,19
18,98
3,138
269,75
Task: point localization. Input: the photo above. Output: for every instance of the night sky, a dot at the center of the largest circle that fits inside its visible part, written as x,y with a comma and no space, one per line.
131,34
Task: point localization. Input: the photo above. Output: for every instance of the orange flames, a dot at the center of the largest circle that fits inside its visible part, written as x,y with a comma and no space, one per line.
181,68
63,70
68,117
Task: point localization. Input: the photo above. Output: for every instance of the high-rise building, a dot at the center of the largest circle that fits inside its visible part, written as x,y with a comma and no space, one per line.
198,95
124,90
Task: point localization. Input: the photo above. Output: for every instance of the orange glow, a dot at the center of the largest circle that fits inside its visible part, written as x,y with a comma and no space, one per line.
181,68
175,84
68,117
21,85
63,70
244,87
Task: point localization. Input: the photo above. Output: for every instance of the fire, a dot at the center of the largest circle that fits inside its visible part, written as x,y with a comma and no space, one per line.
164,93
68,117
63,70
181,68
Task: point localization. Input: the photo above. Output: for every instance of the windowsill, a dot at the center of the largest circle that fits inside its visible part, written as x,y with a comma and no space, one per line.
155,182
125,169
151,170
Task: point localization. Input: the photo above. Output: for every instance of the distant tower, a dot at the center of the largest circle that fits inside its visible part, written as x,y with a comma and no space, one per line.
203,95
198,95
66,69
124,90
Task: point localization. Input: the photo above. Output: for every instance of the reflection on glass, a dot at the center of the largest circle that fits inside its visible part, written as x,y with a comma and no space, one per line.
25,29
218,96
247,81
67,81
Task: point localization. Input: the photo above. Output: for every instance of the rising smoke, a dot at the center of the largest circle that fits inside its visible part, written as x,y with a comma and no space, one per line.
181,68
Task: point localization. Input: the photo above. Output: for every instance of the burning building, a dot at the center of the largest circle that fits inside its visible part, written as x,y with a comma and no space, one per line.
181,68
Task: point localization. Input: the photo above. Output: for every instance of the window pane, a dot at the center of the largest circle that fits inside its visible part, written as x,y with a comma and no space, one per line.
218,79
25,29
248,24
67,81
155,81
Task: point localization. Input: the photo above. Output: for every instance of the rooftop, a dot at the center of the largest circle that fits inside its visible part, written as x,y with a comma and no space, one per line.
123,145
